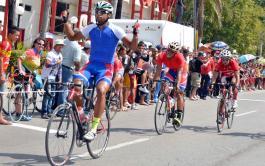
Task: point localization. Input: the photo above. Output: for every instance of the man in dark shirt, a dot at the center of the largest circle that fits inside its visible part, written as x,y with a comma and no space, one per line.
195,70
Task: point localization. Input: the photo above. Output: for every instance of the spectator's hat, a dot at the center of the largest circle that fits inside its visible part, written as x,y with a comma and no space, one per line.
158,47
87,44
59,42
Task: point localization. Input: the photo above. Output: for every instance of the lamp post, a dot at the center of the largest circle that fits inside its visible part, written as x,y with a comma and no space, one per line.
195,24
19,11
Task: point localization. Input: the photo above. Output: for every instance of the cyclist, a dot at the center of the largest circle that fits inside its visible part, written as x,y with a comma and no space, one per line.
28,63
177,72
228,69
104,38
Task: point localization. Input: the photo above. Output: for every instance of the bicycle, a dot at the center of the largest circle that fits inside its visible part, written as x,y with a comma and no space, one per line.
225,110
69,127
165,107
22,93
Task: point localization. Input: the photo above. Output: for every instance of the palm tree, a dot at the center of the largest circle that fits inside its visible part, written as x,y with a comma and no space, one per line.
215,6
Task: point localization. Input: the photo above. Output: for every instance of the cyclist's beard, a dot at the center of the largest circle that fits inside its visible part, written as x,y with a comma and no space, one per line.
101,23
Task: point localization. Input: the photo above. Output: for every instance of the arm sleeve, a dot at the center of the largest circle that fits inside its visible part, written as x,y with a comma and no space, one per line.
85,31
119,33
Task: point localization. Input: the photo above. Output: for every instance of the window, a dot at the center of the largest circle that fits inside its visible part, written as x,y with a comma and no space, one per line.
58,22
28,8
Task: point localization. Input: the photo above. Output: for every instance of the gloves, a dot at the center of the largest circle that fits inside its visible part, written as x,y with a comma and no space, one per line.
136,28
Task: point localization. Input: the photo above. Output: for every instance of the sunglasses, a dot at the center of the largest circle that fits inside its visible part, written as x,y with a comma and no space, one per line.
40,44
101,12
225,59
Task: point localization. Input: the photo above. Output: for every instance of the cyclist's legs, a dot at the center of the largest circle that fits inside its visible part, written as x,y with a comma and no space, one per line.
172,75
231,80
235,89
103,82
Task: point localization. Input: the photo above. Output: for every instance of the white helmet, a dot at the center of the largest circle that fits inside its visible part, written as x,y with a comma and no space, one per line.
174,46
103,5
225,54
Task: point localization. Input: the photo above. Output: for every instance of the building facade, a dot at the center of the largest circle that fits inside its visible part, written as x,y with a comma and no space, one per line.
31,20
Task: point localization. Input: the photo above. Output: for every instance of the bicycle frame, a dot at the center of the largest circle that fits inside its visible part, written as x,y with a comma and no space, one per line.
166,89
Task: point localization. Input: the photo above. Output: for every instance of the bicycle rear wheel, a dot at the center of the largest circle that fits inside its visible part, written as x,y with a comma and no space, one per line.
99,144
221,109
60,136
16,99
161,114
9,85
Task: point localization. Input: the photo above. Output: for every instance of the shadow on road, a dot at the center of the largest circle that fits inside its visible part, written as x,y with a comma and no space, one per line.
256,136
26,160
205,129
134,131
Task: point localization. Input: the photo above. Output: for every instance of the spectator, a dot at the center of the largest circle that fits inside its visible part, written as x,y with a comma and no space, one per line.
71,53
52,71
206,69
85,54
6,47
195,71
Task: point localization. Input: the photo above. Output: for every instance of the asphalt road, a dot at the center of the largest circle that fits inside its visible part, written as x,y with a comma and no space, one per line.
134,142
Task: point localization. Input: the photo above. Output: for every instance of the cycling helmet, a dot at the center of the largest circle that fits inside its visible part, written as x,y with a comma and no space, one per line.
225,54
174,46
103,5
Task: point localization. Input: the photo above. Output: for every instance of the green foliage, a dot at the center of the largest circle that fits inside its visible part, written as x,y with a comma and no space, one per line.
241,23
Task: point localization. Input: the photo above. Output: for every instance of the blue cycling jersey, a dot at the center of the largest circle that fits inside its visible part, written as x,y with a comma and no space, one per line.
103,42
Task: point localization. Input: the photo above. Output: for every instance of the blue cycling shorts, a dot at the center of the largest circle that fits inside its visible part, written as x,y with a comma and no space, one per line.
100,71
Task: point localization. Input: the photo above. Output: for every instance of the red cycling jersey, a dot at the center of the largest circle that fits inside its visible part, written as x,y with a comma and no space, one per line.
5,52
227,70
175,63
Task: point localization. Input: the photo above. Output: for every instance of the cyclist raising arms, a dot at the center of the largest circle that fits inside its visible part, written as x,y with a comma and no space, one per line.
104,38
228,69
177,73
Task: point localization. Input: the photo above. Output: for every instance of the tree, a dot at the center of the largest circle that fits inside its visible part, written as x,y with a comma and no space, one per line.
215,6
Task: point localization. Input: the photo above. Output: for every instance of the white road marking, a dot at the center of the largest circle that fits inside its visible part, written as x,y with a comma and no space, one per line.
246,113
30,127
118,146
252,100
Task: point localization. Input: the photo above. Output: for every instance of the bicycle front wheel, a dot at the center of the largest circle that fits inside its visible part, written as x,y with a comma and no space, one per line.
60,135
220,120
161,114
99,144
230,116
